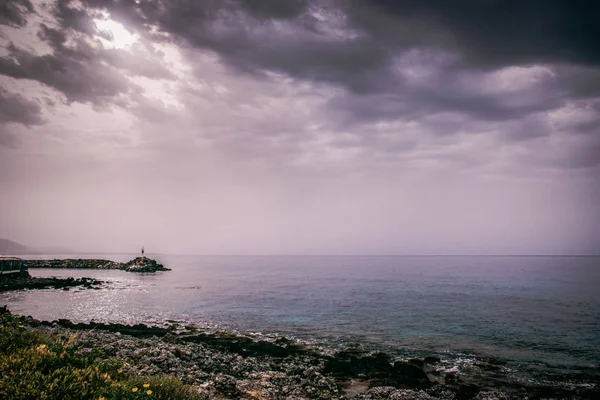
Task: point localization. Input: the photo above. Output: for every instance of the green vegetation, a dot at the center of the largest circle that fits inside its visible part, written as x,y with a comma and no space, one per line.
37,366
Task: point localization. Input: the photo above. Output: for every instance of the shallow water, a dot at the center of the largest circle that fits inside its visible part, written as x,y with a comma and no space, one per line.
538,312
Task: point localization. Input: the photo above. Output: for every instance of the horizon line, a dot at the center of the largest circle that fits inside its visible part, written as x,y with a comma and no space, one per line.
318,255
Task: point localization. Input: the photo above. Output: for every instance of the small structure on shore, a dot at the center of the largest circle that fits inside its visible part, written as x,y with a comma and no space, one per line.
13,266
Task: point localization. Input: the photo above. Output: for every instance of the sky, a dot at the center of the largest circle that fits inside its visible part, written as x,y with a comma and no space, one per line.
301,127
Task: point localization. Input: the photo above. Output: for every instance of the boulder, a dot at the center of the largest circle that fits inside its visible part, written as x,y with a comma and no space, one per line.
410,375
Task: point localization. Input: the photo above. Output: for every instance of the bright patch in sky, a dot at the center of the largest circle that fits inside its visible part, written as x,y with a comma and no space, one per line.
121,37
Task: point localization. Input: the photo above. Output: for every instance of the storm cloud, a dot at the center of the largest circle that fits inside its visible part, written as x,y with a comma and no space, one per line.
16,108
263,101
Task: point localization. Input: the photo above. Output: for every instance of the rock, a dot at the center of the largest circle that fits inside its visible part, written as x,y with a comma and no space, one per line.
486,366
467,392
143,264
490,395
410,375
378,369
418,362
451,378
27,282
352,364
390,393
431,360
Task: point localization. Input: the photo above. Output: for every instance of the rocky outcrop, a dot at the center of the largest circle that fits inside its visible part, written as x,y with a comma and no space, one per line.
139,264
143,264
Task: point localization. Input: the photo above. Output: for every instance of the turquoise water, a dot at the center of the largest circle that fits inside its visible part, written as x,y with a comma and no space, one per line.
528,310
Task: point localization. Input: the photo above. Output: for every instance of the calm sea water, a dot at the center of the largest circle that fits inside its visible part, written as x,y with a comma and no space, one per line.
534,310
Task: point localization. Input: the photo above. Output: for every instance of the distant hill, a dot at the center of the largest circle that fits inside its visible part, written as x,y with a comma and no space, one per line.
10,247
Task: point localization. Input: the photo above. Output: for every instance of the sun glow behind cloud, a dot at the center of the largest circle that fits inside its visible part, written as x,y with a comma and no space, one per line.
116,34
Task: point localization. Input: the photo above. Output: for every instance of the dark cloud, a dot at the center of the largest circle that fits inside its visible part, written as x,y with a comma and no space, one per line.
18,109
354,45
15,108
73,71
14,12
487,33
389,59
497,33
74,18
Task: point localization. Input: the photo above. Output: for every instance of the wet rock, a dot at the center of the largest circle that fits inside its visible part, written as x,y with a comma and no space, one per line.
29,283
407,374
486,366
377,368
451,378
246,346
491,395
431,360
352,364
467,392
390,393
418,362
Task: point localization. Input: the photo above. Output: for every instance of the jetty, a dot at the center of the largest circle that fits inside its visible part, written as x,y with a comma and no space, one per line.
138,264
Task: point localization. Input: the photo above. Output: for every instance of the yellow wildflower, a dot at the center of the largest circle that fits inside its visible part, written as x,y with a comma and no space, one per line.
101,398
42,346
134,389
120,371
146,385
148,392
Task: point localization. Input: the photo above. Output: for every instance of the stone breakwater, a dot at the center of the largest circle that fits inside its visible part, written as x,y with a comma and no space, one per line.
228,366
139,264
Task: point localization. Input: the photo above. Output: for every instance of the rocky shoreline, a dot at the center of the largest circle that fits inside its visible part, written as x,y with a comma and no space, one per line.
139,264
21,282
222,365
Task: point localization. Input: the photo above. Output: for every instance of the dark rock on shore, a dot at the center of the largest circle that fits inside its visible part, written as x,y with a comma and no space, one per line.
238,344
407,374
27,282
139,264
379,368
431,360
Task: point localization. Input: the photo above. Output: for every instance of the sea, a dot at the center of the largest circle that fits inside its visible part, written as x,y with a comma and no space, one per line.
538,317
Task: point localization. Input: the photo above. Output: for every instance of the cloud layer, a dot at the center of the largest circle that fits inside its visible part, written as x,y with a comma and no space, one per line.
263,101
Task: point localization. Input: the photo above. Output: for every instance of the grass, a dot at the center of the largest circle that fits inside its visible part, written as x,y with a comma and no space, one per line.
37,366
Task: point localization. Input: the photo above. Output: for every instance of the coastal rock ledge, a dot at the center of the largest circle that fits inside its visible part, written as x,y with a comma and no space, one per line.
139,264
